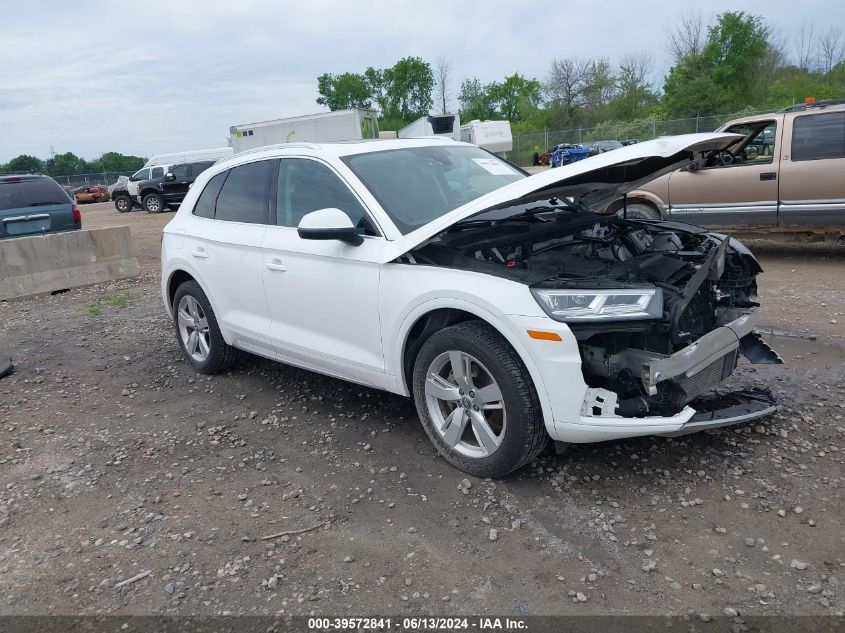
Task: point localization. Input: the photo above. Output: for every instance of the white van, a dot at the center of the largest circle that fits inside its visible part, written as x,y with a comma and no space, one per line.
218,153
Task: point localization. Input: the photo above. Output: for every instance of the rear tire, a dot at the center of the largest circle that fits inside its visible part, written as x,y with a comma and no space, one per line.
640,212
123,204
153,203
198,333
476,401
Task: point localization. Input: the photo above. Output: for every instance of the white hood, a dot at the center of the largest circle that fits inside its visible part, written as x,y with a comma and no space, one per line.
592,181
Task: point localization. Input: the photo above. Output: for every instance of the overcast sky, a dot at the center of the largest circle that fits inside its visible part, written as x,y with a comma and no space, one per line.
160,76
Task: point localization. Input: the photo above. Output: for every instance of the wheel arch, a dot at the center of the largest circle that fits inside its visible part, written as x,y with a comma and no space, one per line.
434,315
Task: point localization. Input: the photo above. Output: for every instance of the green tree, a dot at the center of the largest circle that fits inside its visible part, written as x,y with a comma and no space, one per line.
474,100
115,161
724,76
736,48
23,164
344,91
514,98
67,163
411,82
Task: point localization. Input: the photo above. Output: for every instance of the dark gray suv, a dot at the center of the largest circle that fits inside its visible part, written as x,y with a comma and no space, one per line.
32,204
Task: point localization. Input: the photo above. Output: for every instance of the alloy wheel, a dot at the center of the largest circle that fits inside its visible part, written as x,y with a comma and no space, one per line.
465,404
193,328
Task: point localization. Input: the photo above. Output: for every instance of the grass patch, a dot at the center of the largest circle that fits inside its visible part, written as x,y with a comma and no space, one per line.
120,300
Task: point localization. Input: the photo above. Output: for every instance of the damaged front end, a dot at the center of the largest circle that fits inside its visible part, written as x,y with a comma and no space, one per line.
661,311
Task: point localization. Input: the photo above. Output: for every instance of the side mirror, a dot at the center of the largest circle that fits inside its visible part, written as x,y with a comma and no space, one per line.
328,224
751,152
169,177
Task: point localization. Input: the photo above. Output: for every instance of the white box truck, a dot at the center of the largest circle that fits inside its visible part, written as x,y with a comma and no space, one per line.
434,125
494,136
340,125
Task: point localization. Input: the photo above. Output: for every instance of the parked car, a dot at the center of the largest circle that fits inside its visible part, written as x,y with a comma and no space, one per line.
605,146
429,268
32,204
567,153
787,173
169,189
93,193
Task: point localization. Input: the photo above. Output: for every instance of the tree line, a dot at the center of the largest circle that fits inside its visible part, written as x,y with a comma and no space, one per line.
732,62
69,164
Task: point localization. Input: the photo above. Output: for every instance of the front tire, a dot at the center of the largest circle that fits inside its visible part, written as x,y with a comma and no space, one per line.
123,204
198,333
153,203
476,401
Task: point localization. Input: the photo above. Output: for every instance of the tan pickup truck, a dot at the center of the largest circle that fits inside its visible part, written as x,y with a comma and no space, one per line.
788,171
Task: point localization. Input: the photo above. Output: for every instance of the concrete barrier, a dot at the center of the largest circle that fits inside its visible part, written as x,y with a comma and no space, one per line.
42,264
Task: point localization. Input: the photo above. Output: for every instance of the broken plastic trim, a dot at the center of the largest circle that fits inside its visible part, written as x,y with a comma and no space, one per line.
727,409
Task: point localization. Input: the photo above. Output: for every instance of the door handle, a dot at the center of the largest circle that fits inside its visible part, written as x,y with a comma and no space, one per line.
199,252
276,264
769,175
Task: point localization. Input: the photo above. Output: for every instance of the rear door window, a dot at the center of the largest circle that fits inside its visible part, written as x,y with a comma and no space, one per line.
244,196
818,136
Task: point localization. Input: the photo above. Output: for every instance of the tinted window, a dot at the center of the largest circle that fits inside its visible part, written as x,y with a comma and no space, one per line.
243,197
180,172
31,193
157,172
208,198
141,174
306,185
818,136
198,168
416,185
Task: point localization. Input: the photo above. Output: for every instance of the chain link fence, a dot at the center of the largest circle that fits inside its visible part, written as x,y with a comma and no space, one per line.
86,180
525,145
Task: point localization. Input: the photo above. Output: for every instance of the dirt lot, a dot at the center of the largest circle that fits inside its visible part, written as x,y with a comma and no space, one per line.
117,459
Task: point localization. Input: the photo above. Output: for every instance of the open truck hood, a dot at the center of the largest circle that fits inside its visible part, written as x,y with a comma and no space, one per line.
589,182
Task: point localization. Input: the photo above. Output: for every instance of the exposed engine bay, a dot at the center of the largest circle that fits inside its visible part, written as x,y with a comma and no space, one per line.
704,286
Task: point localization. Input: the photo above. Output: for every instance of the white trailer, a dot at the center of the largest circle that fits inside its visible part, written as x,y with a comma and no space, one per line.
340,125
434,125
494,136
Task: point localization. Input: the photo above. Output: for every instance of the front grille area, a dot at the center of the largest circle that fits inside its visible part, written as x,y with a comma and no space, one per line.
708,377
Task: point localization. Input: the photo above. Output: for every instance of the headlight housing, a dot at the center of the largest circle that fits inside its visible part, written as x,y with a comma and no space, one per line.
600,305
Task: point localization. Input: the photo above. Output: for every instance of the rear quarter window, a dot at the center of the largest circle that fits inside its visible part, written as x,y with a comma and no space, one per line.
204,207
818,136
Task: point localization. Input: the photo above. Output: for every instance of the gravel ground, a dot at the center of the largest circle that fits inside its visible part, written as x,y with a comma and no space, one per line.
132,485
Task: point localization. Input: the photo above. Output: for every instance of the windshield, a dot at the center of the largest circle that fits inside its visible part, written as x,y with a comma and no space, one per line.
416,185
31,193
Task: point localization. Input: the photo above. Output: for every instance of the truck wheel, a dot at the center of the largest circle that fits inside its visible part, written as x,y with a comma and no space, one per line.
476,401
153,203
123,204
640,212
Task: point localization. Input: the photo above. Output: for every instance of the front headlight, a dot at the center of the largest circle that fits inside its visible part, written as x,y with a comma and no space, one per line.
595,305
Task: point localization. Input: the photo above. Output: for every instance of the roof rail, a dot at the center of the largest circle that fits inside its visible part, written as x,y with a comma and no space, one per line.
798,107
255,150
